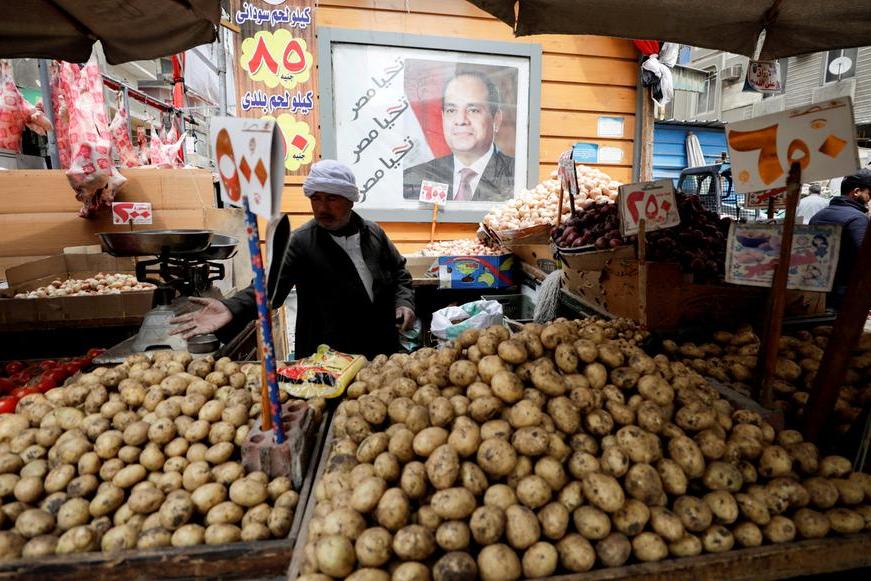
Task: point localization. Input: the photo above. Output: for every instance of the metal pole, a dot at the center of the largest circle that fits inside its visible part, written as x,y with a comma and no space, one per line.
45,87
222,72
125,95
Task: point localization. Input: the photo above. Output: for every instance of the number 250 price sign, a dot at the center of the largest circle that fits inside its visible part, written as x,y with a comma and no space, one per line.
652,202
820,137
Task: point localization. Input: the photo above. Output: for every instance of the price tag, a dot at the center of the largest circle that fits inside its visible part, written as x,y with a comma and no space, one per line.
433,193
820,137
131,213
653,202
760,199
567,175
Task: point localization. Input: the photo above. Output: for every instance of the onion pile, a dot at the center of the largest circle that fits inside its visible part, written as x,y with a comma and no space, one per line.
462,247
100,284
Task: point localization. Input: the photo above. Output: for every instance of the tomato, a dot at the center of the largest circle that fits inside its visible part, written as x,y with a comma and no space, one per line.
14,367
7,404
48,364
95,352
18,378
23,391
44,385
71,368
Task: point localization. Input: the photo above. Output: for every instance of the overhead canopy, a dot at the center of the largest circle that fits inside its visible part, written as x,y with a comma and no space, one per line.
794,26
128,29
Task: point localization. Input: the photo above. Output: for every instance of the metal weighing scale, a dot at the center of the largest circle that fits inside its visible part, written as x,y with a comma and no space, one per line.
183,265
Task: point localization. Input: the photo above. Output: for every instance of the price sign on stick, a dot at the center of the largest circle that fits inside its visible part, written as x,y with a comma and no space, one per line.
131,213
761,199
652,202
820,137
433,193
567,174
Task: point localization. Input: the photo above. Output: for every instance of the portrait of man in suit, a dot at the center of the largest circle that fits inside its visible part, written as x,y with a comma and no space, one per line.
476,170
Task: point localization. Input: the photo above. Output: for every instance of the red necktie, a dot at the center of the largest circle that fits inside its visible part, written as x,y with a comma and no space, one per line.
464,192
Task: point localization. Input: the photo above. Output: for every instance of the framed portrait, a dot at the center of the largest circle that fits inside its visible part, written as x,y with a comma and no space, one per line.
416,114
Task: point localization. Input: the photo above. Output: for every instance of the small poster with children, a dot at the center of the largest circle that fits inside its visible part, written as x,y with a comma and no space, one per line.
754,249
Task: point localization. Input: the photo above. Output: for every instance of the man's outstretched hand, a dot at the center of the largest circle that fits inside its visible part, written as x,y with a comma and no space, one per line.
208,319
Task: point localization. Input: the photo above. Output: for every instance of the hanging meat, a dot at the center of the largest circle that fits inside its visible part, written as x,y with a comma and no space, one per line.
119,131
16,113
61,113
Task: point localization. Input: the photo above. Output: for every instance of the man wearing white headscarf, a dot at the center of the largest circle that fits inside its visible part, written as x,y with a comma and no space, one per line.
353,289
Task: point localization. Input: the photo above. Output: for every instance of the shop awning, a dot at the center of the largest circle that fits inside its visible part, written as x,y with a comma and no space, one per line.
793,26
127,29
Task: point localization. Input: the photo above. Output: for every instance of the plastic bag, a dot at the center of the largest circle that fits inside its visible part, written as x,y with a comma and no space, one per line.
325,374
16,112
410,339
449,322
92,174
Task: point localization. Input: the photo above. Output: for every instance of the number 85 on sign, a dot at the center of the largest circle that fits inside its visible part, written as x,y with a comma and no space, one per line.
653,202
820,138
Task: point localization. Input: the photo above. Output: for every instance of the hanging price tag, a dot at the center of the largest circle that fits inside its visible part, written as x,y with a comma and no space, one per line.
820,137
654,202
760,199
763,77
567,175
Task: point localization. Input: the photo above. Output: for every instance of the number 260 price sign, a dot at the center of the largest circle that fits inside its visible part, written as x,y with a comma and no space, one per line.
820,137
652,202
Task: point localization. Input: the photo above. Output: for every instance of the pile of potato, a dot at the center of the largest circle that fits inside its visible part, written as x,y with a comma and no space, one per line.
732,357
99,284
557,450
540,205
143,455
461,247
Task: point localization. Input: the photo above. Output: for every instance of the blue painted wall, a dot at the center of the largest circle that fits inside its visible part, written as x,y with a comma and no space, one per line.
670,151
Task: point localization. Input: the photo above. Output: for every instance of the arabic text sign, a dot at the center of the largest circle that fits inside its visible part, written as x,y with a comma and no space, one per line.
567,174
131,213
753,252
764,76
652,202
760,199
820,137
246,151
433,193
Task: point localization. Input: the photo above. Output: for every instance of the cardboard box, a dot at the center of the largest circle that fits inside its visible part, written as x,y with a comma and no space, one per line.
541,256
422,266
119,308
476,271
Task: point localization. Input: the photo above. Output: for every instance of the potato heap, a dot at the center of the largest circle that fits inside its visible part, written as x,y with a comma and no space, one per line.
732,357
100,284
143,455
461,247
541,204
554,451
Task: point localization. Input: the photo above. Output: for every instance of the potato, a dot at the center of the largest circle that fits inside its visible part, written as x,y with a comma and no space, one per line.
591,522
413,542
811,524
498,562
335,556
107,500
723,476
496,457
849,491
603,491
694,513
80,539
717,539
373,547
775,462
487,524
74,512
835,467
34,522
452,535
666,524
649,547
128,476
674,481
220,534
844,521
747,534
57,479
642,483
42,546
209,495
753,509
823,493
779,530
575,553
453,503
393,509
686,546
688,456
29,490
723,506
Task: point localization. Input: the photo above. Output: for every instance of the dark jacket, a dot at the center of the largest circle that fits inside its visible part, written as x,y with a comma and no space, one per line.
851,215
496,183
334,307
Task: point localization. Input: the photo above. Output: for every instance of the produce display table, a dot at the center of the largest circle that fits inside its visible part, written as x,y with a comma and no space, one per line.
246,560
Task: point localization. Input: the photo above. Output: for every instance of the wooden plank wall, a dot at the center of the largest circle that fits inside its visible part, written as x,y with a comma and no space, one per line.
583,77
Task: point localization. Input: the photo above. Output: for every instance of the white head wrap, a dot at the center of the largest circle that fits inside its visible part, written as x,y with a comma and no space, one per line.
329,176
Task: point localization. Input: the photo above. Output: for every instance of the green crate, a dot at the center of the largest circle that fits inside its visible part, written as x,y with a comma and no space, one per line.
517,307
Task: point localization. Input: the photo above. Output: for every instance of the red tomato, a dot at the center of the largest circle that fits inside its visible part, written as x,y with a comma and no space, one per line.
48,364
95,352
45,384
71,368
23,391
7,404
58,376
14,367
6,385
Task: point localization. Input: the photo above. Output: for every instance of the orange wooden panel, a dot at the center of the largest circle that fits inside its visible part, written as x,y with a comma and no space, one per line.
579,125
409,247
588,69
573,97
488,29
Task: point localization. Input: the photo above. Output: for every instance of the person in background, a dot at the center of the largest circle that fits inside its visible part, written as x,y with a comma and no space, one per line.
849,210
354,292
811,204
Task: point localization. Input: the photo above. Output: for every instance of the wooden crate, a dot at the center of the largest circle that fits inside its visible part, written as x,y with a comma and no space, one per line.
248,560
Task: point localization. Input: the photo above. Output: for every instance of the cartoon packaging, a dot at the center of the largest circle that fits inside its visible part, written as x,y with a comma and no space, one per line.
325,374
